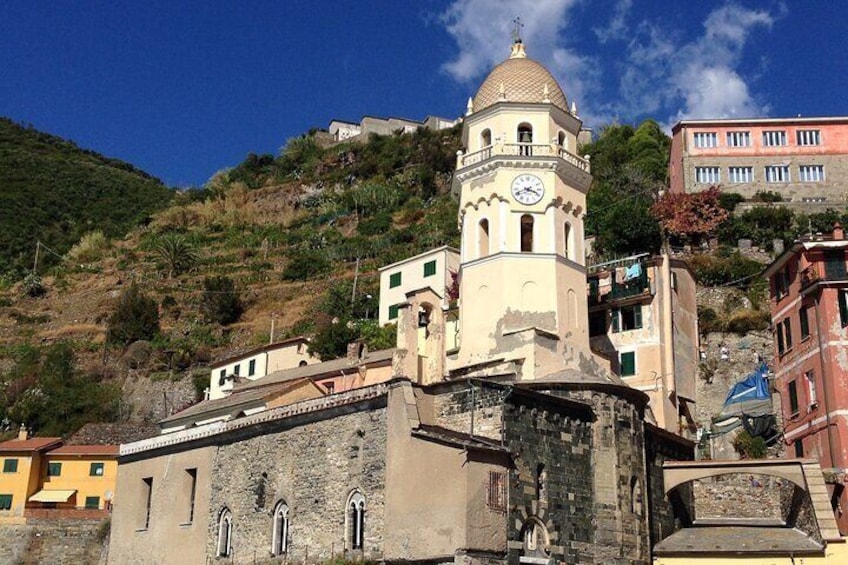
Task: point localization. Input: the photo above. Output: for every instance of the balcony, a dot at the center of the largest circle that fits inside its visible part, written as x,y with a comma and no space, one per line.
619,290
522,150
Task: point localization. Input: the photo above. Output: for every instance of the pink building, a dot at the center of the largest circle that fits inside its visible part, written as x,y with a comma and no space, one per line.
809,311
802,159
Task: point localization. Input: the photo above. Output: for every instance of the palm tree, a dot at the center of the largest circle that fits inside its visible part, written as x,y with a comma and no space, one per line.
176,253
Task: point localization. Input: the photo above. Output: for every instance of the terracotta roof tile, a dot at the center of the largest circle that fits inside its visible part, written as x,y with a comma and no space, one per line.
111,450
32,444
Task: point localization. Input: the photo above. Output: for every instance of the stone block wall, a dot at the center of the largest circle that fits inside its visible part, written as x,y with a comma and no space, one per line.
658,450
560,439
456,410
313,467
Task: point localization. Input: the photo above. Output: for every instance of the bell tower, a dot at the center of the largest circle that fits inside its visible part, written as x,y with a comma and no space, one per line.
522,193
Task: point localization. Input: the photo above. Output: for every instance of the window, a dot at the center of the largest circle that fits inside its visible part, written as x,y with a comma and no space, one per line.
627,362
92,502
707,175
834,265
526,233
787,333
485,138
777,173
5,501
541,483
496,499
356,520
741,174
566,240
147,485
483,238
394,280
812,397
627,318
774,138
96,470
430,268
778,330
222,378
10,466
782,280
843,307
799,448
807,137
525,139
811,173
237,370
393,312
738,138
251,368
804,318
191,475
280,532
597,323
636,495
705,139
54,469
225,533
561,139
793,398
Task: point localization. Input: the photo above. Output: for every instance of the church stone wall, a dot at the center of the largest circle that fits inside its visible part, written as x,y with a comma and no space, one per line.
659,449
456,410
313,467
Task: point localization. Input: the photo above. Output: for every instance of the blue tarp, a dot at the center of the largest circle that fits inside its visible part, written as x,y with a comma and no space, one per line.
752,387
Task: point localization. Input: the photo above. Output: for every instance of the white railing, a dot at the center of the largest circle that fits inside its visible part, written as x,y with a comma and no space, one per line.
524,150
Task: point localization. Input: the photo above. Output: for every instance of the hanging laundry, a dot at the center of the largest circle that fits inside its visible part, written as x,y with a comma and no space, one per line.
634,271
620,273
604,285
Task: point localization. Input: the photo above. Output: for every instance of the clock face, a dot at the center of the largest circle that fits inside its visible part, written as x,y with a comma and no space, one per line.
528,189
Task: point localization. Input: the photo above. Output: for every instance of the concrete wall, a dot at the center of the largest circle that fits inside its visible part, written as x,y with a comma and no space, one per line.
169,536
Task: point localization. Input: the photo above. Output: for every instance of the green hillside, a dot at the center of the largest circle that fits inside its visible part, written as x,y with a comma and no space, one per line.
53,191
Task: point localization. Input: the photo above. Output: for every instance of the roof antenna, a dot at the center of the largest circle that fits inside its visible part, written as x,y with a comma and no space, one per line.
516,30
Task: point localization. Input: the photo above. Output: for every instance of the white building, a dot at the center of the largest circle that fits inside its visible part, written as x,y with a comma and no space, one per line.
431,269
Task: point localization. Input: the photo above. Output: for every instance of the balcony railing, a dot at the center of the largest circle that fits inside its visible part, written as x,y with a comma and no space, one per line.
523,150
619,290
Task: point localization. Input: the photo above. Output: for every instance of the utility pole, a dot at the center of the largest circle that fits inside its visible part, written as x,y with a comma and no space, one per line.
355,279
37,248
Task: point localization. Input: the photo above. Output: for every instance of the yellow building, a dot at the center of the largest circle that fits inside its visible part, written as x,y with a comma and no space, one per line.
79,476
22,464
41,477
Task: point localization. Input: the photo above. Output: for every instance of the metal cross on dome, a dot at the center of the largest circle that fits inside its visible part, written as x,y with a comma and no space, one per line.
516,30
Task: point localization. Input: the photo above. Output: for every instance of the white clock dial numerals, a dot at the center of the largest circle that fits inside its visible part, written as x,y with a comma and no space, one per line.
527,189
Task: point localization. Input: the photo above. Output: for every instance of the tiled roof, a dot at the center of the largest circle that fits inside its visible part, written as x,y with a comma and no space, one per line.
32,444
523,80
111,450
112,433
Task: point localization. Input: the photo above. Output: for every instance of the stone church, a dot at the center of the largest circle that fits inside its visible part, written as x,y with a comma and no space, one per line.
509,442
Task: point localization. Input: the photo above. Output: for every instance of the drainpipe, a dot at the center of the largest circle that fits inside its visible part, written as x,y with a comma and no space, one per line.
824,381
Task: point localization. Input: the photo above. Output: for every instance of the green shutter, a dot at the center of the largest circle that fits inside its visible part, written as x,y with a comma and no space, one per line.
10,466
793,398
616,320
5,501
92,502
251,368
393,312
805,322
628,364
96,470
394,280
779,332
637,317
430,268
787,327
54,469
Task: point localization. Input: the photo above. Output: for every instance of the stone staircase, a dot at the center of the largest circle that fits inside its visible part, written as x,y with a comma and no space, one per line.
820,500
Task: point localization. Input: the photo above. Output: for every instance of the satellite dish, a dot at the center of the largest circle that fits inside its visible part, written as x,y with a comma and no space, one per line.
107,496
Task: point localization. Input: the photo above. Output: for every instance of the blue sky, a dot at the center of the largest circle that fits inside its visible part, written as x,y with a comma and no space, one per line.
183,89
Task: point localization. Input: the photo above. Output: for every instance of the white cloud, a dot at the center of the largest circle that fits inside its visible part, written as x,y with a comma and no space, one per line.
616,28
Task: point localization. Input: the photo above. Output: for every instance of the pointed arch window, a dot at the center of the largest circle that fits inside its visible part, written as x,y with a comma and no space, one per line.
355,518
567,235
541,483
280,532
561,141
525,139
526,233
483,238
225,533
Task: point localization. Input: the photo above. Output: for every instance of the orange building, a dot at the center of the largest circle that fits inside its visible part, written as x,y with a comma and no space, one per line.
809,311
23,464
802,159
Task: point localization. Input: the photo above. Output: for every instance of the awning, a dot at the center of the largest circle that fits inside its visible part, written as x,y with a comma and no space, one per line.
52,496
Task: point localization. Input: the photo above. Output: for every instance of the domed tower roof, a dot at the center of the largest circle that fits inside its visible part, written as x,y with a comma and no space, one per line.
519,79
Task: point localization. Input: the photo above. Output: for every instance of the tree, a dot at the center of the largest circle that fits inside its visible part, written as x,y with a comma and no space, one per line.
691,217
220,302
176,253
135,317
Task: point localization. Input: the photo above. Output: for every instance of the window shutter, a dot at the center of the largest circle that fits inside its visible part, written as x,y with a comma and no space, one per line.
843,307
779,332
628,364
637,316
616,320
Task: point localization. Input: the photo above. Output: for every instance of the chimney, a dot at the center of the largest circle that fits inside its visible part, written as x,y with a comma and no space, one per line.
22,433
838,232
356,350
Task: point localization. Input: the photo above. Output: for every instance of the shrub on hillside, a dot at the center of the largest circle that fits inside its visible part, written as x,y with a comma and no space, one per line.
747,320
33,286
716,270
220,302
709,321
766,196
376,225
305,265
135,317
89,248
749,447
729,200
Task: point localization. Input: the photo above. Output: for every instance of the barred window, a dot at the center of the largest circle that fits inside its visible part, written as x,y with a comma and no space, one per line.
497,491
